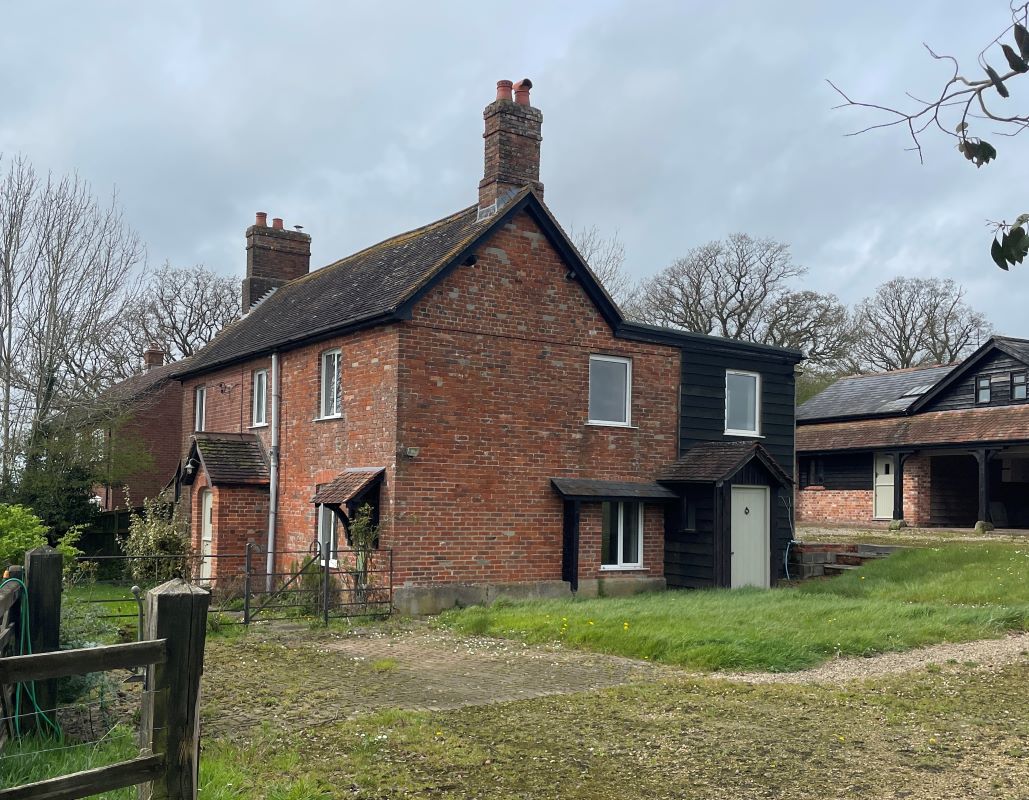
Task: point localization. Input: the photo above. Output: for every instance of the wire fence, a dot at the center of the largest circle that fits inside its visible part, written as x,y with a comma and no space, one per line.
349,583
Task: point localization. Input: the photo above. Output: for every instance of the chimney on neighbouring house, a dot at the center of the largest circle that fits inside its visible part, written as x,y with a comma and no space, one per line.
513,136
274,256
153,356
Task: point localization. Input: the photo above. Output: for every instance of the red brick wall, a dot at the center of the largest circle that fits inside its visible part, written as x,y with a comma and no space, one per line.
494,382
815,504
152,428
590,539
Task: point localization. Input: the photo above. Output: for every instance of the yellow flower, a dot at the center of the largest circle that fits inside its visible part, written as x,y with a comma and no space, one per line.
590,622
841,738
625,626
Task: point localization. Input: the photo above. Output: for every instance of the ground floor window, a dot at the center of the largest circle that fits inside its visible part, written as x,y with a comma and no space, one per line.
328,533
621,535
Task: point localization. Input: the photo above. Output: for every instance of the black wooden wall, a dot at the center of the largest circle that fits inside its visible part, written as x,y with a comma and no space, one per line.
690,553
999,366
836,471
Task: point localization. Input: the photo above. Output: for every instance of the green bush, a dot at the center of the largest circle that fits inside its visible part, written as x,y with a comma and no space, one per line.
159,532
20,531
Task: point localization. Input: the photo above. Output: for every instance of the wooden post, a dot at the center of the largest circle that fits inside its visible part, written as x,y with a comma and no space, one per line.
983,457
43,568
170,724
898,485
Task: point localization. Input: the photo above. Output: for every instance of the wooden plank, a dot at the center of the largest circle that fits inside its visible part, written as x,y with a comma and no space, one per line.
90,782
6,635
8,597
45,666
170,722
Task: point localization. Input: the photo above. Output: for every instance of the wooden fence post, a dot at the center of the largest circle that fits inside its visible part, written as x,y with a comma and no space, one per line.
43,568
170,724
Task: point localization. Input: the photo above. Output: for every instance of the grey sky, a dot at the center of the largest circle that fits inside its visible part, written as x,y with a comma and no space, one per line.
674,123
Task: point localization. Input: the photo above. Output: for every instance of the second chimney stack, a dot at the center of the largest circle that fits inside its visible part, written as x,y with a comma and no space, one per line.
512,151
274,256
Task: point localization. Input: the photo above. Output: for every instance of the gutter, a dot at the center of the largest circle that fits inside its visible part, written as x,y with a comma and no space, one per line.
273,474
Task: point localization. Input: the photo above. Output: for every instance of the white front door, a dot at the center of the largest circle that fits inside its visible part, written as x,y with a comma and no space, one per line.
749,562
206,533
883,503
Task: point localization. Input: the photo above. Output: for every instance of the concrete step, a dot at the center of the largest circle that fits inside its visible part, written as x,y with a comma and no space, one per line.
857,559
839,569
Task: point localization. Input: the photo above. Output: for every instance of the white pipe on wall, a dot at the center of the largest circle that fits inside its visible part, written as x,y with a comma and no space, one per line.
273,473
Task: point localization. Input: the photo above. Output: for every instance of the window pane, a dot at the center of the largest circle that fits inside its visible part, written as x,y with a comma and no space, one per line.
630,533
609,534
201,397
1018,386
608,386
260,396
330,384
741,402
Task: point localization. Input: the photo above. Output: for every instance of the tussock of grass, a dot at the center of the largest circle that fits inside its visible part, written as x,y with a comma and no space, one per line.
912,599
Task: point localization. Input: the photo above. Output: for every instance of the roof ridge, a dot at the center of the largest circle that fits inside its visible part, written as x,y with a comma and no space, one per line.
395,239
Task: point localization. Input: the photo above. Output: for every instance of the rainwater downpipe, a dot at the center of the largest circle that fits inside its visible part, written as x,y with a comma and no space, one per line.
273,474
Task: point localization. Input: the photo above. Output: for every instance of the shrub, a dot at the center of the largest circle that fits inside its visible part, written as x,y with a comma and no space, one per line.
20,531
158,544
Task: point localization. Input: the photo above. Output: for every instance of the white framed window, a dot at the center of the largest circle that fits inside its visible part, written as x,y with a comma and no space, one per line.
328,534
329,405
259,398
199,408
621,536
742,403
982,389
1018,386
610,395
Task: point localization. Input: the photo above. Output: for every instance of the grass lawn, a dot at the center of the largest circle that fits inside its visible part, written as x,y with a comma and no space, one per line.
914,598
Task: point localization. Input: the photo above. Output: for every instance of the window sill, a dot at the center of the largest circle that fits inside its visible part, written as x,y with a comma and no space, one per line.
326,419
747,434
628,426
624,568
259,425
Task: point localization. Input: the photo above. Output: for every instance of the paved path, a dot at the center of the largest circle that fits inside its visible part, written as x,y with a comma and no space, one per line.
298,677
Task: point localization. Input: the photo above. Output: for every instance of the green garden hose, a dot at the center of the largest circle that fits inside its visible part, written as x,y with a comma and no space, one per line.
28,687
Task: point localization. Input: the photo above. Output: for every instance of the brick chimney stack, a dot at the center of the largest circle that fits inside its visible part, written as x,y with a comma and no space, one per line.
513,135
274,256
153,356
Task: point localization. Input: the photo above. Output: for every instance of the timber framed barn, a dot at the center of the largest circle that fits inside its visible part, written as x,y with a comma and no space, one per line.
472,383
938,446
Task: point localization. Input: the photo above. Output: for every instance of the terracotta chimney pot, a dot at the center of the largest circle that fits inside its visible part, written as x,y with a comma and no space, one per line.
521,91
262,219
504,90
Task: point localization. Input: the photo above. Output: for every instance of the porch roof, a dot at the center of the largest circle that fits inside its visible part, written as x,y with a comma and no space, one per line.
588,489
348,486
713,462
971,426
230,458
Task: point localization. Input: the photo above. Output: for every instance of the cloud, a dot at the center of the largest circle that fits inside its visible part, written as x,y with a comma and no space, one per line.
674,123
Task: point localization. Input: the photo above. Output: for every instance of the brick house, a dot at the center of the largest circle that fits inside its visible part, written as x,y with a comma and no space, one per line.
142,431
474,384
946,446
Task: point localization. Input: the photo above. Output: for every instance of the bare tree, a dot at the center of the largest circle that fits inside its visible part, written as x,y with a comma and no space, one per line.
740,288
913,322
966,99
184,308
606,257
67,266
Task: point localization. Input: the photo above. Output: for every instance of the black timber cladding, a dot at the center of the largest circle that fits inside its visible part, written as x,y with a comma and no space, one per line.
840,471
997,366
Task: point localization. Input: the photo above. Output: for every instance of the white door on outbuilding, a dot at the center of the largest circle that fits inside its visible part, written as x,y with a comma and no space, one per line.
206,534
750,535
884,478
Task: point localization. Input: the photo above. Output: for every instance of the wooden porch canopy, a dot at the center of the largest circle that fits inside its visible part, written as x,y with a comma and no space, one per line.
226,458
717,462
347,489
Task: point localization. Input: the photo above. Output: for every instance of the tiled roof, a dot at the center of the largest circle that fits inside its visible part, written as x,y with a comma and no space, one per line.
709,462
138,385
965,426
1019,347
365,286
868,395
231,458
347,486
584,489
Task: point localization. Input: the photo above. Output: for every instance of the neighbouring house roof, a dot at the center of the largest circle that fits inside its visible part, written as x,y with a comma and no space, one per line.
872,395
229,458
138,385
965,426
587,489
381,283
713,462
348,486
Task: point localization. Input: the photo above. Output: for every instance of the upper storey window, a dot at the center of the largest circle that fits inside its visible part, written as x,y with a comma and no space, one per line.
199,408
982,389
742,403
1018,386
330,396
259,401
610,399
